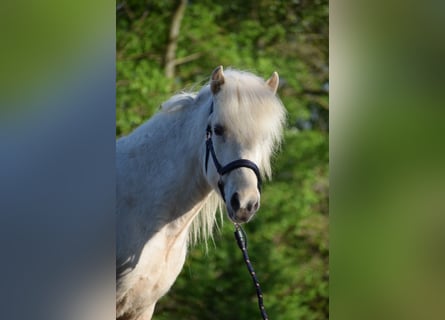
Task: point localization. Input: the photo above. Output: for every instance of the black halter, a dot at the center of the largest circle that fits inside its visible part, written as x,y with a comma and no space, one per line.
222,170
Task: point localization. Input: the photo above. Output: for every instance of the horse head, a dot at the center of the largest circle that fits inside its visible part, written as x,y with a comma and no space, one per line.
244,127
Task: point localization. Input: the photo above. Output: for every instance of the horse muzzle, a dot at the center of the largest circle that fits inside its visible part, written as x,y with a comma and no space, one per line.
242,210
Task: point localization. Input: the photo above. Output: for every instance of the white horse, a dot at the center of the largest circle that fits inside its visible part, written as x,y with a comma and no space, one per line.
168,190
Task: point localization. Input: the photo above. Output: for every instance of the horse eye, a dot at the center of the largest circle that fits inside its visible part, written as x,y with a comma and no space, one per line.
218,130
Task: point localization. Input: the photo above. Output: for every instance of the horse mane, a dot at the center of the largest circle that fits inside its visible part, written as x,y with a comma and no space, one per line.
206,220
246,123
178,101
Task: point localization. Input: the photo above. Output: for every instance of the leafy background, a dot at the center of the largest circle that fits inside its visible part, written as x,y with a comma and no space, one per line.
288,240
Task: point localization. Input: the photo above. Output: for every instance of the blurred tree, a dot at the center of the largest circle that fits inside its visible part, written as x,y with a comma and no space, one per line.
288,242
170,55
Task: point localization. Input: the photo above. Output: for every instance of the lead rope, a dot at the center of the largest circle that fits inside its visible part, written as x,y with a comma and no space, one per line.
241,239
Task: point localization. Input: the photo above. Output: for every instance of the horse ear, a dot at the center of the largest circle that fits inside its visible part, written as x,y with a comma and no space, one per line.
217,79
273,81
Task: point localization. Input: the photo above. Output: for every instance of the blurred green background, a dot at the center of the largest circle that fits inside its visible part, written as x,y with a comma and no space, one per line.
288,241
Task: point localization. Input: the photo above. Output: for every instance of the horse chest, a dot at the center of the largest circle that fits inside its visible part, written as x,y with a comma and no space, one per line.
164,261
160,263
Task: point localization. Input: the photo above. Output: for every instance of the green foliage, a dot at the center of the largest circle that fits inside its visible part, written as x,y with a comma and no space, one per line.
288,241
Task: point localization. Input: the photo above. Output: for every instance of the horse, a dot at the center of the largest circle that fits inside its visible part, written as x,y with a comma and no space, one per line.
201,151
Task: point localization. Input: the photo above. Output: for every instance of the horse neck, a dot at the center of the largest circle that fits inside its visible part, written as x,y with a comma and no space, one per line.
187,187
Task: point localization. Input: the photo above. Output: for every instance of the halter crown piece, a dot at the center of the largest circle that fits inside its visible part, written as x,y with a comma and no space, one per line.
222,170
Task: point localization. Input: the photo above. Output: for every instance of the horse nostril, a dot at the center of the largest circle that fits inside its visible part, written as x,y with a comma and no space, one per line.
252,206
234,202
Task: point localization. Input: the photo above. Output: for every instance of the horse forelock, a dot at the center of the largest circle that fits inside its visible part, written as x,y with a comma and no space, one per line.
251,111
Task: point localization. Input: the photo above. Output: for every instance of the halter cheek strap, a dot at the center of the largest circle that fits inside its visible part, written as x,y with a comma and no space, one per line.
222,170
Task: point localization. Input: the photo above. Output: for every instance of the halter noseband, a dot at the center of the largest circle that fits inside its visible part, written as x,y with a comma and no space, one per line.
222,170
